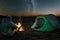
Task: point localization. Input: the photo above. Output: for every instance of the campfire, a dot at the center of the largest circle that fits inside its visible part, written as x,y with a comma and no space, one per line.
19,27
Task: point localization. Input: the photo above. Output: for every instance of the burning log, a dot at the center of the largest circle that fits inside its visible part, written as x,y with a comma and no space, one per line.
19,27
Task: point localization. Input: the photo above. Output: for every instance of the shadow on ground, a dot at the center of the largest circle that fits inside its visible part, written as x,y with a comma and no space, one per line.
34,35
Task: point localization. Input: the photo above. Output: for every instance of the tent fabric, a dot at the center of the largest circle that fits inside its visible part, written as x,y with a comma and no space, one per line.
47,26
53,20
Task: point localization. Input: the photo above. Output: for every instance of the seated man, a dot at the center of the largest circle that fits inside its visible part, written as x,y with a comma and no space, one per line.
7,27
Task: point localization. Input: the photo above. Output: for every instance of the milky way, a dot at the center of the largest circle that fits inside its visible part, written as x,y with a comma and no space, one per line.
16,7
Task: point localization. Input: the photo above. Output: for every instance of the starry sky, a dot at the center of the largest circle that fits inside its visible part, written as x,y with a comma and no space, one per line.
18,7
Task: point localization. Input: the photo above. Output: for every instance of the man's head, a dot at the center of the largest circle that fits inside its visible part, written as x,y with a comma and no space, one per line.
7,19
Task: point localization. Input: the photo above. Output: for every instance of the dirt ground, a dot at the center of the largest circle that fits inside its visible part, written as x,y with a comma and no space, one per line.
34,35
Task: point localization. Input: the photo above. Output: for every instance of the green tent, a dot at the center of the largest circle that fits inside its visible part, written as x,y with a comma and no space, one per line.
45,23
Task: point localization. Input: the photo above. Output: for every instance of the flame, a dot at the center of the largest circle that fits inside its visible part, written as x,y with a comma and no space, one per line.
19,27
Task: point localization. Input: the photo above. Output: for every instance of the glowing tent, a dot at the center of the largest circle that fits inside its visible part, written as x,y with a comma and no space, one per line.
45,23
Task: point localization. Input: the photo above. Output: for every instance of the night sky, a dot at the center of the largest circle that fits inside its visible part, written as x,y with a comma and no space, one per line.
18,7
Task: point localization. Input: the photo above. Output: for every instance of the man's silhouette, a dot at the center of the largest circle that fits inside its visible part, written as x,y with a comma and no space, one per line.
7,26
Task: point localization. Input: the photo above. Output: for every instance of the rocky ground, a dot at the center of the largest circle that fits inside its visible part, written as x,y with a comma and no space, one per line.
34,35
